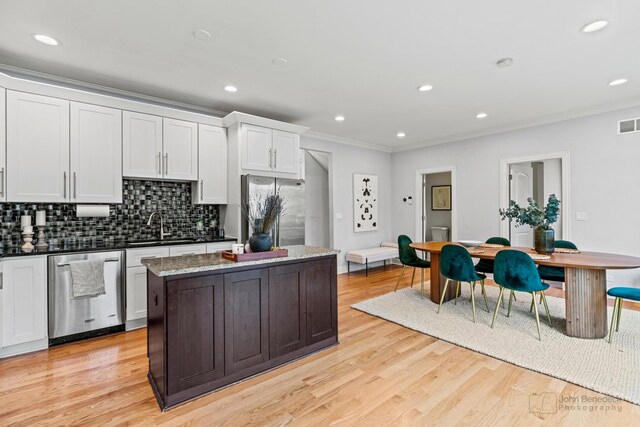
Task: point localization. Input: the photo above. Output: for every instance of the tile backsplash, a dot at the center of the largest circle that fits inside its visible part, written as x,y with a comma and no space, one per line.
126,221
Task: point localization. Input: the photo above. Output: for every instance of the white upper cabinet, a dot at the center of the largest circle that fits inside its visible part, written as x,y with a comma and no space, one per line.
96,154
286,147
211,187
142,145
269,150
23,300
3,148
37,148
180,143
257,151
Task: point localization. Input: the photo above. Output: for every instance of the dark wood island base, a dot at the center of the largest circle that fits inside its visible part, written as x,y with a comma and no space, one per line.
207,330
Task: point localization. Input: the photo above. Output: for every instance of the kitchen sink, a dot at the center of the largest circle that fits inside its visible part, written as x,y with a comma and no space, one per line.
162,242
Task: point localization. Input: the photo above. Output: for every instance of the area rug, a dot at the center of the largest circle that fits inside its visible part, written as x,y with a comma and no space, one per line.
612,369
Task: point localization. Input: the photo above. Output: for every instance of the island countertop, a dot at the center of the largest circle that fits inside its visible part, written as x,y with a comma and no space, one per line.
171,266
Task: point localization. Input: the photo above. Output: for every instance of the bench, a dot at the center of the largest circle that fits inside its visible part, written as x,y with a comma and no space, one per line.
385,252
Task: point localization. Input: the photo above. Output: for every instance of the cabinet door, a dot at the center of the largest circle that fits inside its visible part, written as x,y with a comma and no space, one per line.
142,145
37,148
195,337
3,148
24,300
184,250
246,334
322,318
180,143
136,293
211,187
96,154
256,150
286,147
287,309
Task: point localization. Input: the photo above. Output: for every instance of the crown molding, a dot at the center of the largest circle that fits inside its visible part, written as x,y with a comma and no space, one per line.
347,141
40,77
537,121
236,117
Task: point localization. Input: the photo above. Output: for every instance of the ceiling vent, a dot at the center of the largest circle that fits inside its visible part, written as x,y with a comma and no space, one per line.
628,126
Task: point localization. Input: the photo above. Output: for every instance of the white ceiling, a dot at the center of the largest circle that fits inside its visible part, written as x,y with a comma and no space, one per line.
360,58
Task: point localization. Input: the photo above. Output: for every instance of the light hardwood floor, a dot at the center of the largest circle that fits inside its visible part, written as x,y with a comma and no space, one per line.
380,374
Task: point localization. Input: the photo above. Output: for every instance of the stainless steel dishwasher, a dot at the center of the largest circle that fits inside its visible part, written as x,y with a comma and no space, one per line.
73,319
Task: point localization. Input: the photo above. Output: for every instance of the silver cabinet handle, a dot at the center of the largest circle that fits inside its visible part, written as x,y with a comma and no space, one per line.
2,182
159,163
275,159
1,281
202,190
270,158
64,184
166,163
75,186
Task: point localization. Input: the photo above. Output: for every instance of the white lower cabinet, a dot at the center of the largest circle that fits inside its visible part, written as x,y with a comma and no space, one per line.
23,303
219,247
136,289
183,250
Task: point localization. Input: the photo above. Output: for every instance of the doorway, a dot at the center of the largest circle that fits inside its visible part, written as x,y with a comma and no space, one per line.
535,177
317,200
435,213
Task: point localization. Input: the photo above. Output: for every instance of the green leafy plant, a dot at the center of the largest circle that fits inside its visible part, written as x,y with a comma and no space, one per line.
263,213
533,215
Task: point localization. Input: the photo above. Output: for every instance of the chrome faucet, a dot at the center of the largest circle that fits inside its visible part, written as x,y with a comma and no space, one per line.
162,233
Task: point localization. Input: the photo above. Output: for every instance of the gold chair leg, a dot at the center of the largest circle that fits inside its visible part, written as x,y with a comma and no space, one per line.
619,314
413,276
533,301
400,278
484,294
473,302
535,307
540,299
510,298
457,292
444,291
421,283
613,318
495,313
546,307
514,297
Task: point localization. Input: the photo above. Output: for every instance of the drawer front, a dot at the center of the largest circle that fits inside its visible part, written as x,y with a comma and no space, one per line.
218,247
188,249
135,256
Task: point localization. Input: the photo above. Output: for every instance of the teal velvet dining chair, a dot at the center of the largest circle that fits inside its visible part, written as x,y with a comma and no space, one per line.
621,293
516,271
486,265
555,274
409,258
457,266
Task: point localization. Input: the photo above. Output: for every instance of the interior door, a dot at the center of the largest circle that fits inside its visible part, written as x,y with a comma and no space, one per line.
96,154
520,189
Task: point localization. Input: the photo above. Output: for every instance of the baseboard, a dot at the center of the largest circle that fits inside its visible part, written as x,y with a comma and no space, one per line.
136,324
27,347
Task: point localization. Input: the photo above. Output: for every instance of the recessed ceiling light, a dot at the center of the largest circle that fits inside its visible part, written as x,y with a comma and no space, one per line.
504,62
339,118
202,34
230,88
425,88
481,115
279,62
401,134
48,40
617,82
594,26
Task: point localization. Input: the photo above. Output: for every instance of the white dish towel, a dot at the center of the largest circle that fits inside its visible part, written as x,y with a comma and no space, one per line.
87,278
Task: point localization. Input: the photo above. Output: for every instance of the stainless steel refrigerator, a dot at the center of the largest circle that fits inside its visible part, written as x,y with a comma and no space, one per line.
290,228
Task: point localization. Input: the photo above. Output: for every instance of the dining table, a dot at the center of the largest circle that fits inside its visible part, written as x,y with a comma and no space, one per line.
585,282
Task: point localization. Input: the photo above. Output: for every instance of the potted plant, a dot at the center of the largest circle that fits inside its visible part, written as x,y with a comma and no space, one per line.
262,215
537,218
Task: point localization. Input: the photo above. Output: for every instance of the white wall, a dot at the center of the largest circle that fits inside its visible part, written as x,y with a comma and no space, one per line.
317,227
605,179
345,161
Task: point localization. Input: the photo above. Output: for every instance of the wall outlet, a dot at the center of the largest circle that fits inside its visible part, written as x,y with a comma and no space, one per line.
338,215
581,216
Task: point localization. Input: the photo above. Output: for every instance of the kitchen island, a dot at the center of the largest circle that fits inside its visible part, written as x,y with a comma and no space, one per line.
213,322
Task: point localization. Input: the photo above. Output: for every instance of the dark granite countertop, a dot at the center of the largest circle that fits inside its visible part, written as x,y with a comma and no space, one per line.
171,266
109,246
